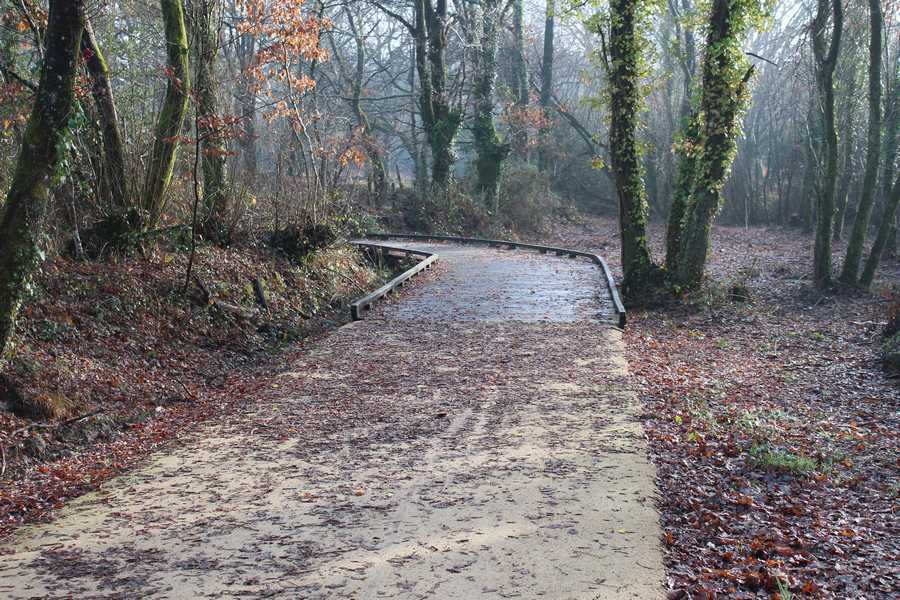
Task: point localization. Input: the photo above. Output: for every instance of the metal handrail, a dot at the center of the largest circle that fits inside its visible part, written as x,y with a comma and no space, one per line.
596,258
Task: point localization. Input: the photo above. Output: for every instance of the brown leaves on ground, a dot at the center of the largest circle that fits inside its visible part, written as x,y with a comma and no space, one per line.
774,428
118,341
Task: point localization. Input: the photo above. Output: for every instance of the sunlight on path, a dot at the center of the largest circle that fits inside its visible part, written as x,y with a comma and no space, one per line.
477,438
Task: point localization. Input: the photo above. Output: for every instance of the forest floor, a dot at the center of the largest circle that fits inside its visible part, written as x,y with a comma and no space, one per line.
770,419
773,426
114,359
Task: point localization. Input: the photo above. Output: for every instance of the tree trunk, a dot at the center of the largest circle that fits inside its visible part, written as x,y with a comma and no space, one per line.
113,146
520,66
886,228
826,60
891,126
379,173
723,96
547,75
624,50
687,143
873,149
38,160
688,152
440,121
491,152
205,36
843,192
171,117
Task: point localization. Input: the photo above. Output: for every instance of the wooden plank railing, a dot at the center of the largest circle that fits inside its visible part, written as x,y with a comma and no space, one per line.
359,306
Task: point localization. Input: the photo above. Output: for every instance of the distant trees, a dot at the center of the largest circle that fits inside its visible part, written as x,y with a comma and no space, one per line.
466,115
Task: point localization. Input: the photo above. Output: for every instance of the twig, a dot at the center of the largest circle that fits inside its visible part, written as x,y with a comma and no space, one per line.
55,425
761,58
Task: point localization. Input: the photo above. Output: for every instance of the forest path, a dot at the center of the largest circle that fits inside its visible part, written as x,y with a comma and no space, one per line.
477,438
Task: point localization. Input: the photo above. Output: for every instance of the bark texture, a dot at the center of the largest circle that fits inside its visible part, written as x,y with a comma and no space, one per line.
547,74
723,96
440,120
171,117
624,51
113,146
204,19
491,152
850,271
38,161
826,55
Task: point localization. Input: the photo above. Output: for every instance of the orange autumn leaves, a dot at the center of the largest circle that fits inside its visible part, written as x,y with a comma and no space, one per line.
288,38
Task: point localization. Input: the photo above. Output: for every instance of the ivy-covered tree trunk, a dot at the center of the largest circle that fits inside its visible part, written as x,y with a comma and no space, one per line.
826,56
850,271
204,17
625,156
113,146
520,66
688,152
491,152
171,117
441,121
38,161
723,96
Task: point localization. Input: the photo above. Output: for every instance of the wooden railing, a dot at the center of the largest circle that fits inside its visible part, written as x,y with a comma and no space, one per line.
358,307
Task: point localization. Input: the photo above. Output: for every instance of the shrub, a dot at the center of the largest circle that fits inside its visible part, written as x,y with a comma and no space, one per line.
300,242
525,198
450,213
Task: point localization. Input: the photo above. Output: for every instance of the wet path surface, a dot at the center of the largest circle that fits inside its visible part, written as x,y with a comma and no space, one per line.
476,438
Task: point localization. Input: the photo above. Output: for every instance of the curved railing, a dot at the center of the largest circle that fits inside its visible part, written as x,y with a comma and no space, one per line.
595,258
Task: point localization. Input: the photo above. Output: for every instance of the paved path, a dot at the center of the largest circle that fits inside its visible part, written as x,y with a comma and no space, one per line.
476,438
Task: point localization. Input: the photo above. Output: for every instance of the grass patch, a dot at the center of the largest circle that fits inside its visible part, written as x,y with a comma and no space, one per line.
781,460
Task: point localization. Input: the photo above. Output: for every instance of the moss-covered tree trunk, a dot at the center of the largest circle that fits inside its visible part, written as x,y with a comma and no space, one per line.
625,155
38,160
547,74
891,135
850,271
171,117
113,146
491,152
826,55
440,120
204,17
723,96
886,229
688,152
520,66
